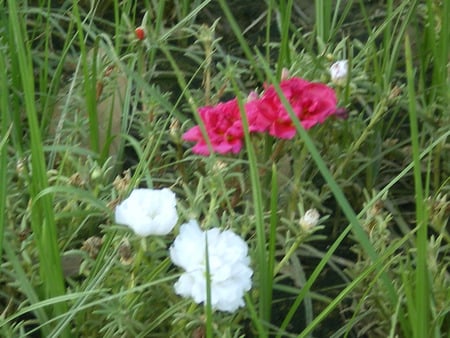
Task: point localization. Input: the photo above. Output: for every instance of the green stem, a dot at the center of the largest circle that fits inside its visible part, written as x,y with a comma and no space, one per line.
288,255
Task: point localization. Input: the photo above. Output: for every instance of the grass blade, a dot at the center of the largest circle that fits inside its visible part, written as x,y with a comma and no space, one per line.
42,215
421,288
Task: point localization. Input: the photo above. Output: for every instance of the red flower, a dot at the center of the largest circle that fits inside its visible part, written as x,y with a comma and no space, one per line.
140,33
224,128
311,102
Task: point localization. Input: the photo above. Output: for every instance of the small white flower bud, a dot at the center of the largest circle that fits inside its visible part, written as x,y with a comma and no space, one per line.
252,96
309,220
339,72
284,74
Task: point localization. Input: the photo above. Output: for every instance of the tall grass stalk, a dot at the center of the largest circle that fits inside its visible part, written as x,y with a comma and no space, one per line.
421,295
394,29
208,307
323,9
43,84
284,58
42,214
387,37
274,219
5,132
271,5
433,73
90,79
435,52
263,273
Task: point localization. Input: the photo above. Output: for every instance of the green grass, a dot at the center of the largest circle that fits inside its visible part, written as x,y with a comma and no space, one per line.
82,100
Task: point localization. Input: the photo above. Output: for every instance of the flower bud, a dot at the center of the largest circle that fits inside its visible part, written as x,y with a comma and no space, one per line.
140,33
309,220
339,72
252,96
284,74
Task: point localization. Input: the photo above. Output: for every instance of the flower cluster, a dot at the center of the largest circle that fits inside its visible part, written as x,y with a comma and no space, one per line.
153,212
311,102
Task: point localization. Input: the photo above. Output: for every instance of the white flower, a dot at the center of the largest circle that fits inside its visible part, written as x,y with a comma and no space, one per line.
339,72
228,266
309,220
148,212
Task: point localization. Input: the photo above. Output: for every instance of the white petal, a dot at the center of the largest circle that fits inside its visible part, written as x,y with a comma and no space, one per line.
187,251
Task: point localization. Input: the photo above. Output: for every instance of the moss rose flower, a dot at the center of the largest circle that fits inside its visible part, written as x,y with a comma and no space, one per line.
228,266
148,212
311,102
223,126
316,104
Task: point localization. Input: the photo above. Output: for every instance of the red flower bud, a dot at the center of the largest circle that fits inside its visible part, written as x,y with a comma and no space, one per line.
140,33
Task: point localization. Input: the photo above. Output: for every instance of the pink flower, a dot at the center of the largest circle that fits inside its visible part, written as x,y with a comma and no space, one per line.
311,102
268,113
223,125
318,102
